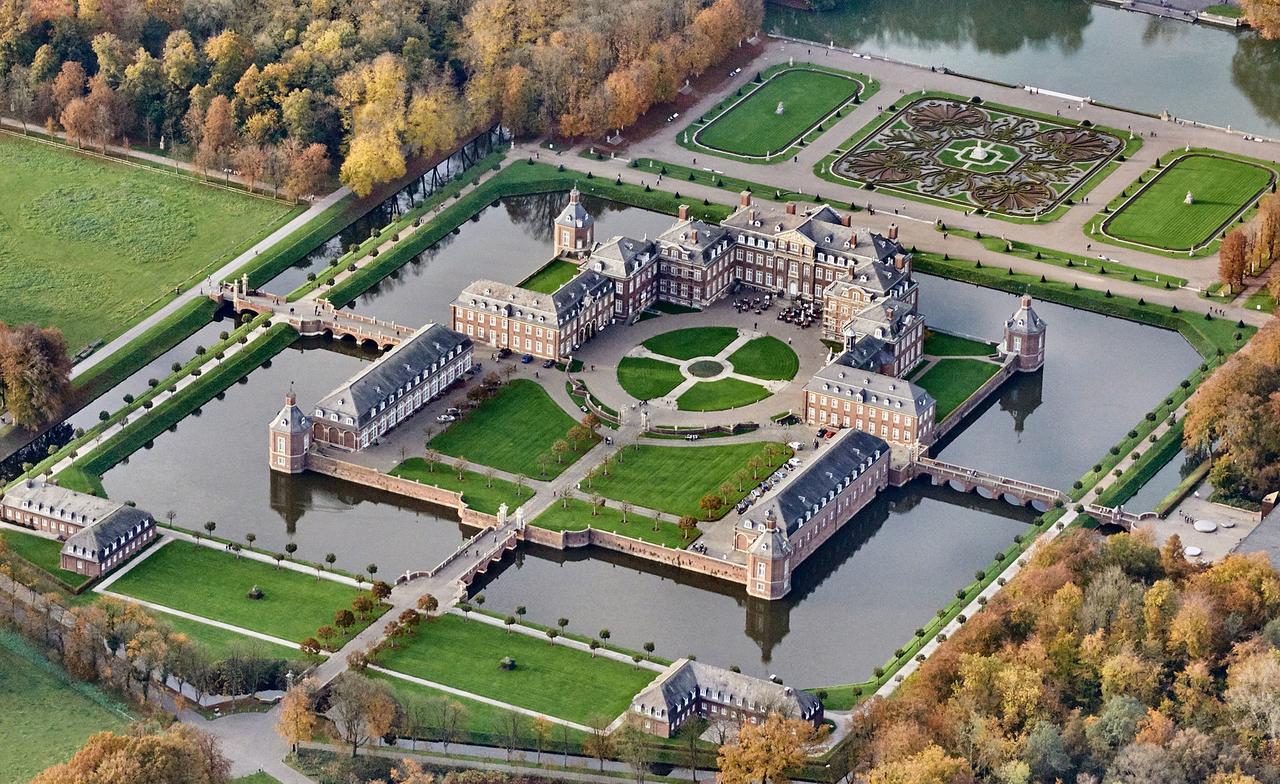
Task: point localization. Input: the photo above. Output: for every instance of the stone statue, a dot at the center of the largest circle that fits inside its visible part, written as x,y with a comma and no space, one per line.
502,514
1189,199
519,517
780,108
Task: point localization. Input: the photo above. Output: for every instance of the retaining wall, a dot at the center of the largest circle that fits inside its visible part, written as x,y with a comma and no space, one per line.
369,477
683,559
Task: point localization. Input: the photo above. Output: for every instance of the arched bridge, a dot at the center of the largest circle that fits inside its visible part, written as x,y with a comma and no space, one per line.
988,485
1109,515
313,317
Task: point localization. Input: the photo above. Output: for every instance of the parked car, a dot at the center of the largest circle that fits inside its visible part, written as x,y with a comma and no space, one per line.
526,359
446,418
794,462
796,446
822,432
549,363
503,353
691,437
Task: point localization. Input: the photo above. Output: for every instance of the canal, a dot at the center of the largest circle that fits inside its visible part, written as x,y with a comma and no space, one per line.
1217,76
863,595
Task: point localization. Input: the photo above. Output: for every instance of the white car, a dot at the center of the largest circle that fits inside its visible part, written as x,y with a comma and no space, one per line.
446,418
796,446
794,462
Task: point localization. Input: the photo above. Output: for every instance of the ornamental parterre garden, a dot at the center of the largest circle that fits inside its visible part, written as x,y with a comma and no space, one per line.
970,155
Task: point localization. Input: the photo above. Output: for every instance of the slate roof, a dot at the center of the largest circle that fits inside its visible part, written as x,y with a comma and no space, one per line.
117,528
42,498
621,257
804,493
844,378
574,214
1265,538
290,419
534,306
877,316
360,395
686,681
1025,320
695,237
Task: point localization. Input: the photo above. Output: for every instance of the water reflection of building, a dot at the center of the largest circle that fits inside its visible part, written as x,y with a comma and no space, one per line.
289,495
1021,397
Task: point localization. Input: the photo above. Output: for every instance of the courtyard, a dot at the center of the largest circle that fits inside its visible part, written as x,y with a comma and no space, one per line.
971,155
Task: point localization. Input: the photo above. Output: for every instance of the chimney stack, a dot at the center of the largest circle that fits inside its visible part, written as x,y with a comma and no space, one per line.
684,212
893,231
846,219
900,262
744,199
791,208
693,237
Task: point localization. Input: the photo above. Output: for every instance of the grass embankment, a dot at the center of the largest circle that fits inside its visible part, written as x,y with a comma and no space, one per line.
941,344
577,515
645,378
766,358
712,178
176,408
673,479
692,342
1165,449
47,716
548,678
951,381
215,585
512,430
720,395
104,242
479,493
516,179
550,277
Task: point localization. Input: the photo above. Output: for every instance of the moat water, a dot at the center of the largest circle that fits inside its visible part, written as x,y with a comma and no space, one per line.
853,603
1127,59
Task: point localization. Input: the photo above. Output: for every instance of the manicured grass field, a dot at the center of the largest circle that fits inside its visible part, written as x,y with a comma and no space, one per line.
202,581
1158,216
577,517
767,358
509,431
754,127
43,553
692,342
45,715
551,277
673,479
90,246
222,643
473,485
940,344
720,395
645,378
552,679
951,381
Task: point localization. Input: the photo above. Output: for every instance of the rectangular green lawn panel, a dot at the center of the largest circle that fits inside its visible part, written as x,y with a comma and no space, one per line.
767,358
211,584
472,485
952,381
754,126
673,479
1158,215
720,395
44,553
44,715
509,431
576,516
645,378
692,342
223,643
552,679
77,230
551,277
940,344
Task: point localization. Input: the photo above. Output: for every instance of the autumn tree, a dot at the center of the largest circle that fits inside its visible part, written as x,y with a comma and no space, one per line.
35,374
765,752
1233,259
361,709
181,755
1263,16
297,719
218,135
306,170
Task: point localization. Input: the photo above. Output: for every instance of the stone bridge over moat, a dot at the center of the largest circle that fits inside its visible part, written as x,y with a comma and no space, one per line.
988,485
314,317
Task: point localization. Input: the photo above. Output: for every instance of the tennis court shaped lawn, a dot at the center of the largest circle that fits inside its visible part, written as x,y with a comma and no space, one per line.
550,277
46,715
215,585
673,479
645,378
692,342
576,516
1158,215
481,494
76,229
767,358
952,381
41,552
511,429
754,127
553,679
720,395
940,344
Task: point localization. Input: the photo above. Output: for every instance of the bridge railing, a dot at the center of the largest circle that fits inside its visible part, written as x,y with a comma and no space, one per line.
949,470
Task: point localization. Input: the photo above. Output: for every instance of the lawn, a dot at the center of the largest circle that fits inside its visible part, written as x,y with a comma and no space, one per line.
46,716
940,344
673,479
43,553
551,277
720,395
952,381
552,679
76,230
510,430
692,342
645,378
754,126
222,643
473,485
767,358
577,517
202,581
1158,216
